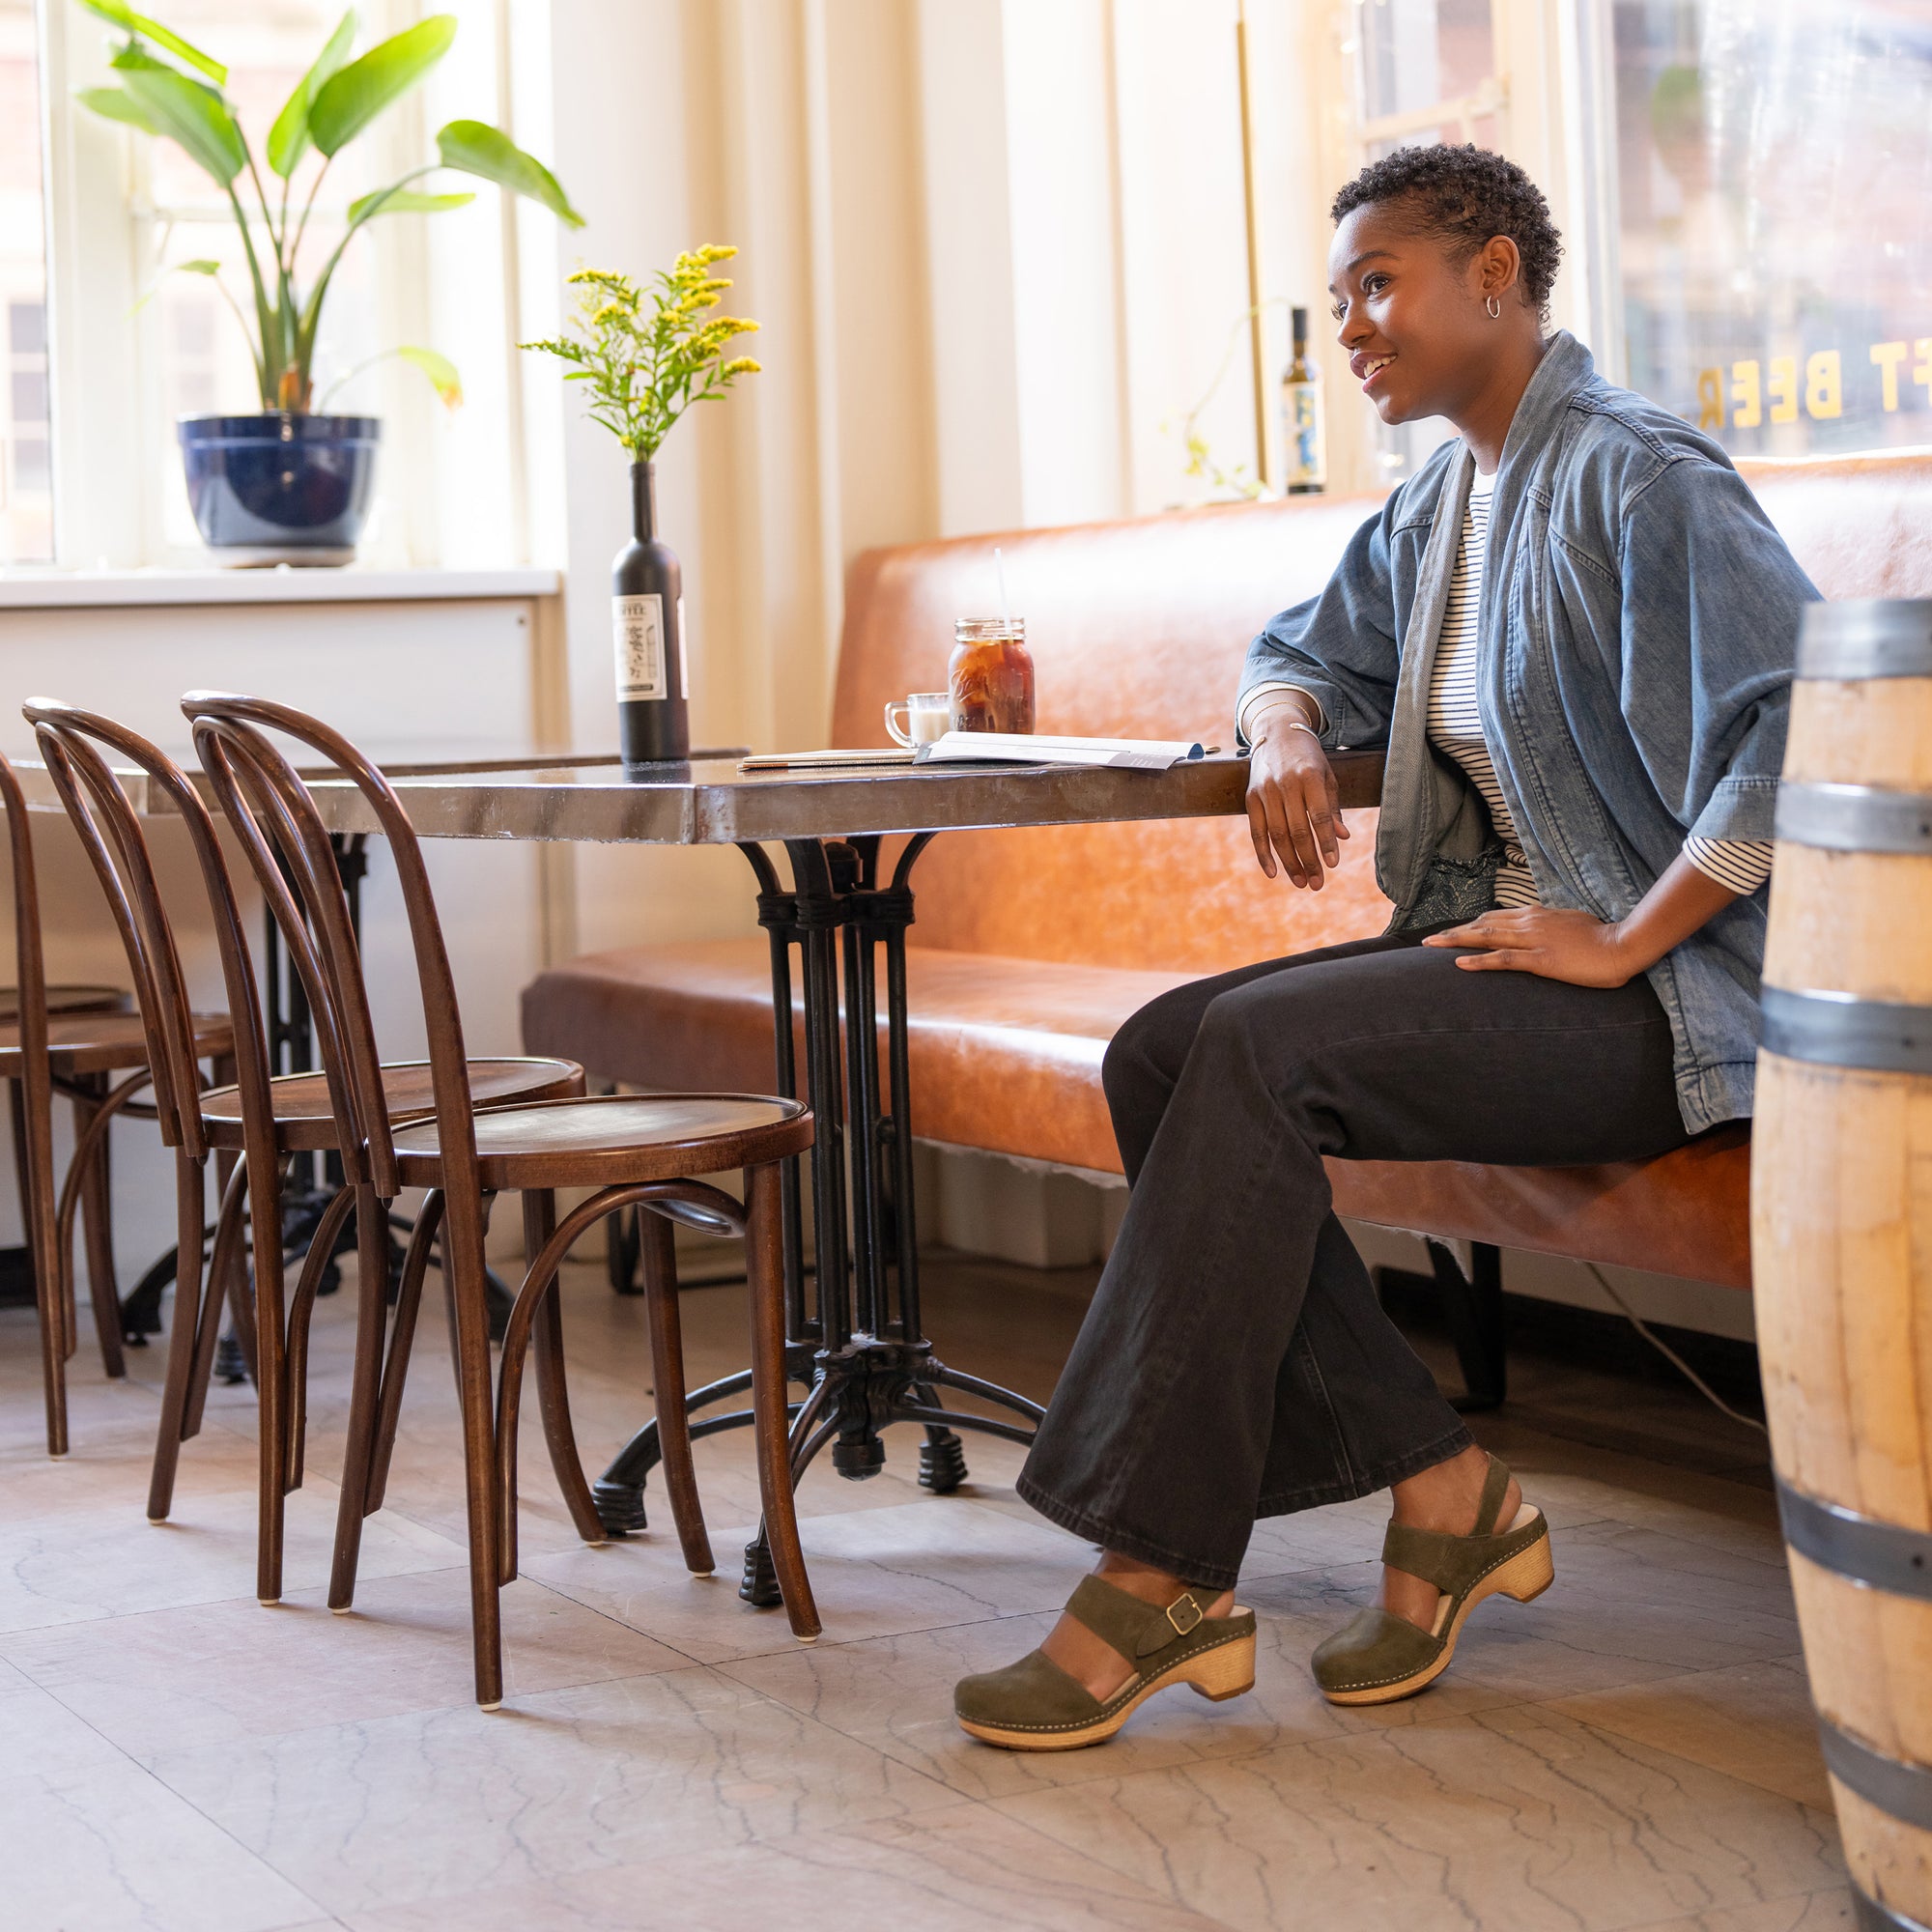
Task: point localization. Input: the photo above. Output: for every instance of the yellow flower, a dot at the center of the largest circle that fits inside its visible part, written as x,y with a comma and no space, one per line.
604,278
743,365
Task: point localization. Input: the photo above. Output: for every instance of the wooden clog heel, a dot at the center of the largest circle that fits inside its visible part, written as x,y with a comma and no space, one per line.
1035,1705
1379,1657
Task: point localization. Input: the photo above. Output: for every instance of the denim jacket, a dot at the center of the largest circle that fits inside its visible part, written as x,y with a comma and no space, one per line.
1638,628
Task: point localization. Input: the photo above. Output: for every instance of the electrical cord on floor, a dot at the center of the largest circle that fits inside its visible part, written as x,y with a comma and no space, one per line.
1670,1354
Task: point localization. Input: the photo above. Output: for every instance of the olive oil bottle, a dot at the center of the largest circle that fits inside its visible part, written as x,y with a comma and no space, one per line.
1303,422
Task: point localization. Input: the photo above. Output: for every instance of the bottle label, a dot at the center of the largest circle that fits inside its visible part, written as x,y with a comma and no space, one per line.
1307,457
683,654
639,636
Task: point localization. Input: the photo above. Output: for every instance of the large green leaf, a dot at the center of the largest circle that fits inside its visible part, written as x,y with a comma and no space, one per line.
287,138
114,103
192,113
404,201
474,148
349,100
116,13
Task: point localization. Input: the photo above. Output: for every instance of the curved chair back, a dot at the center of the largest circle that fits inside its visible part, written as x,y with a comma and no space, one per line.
275,818
111,836
35,1079
111,830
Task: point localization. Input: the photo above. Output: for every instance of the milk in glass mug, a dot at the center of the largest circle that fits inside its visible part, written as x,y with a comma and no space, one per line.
929,716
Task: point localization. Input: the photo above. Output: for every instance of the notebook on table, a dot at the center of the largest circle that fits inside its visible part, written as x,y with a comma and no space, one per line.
1001,747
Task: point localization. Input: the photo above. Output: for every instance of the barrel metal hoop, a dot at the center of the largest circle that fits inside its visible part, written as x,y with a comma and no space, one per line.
1873,1917
1855,819
1887,637
1841,1030
1900,1790
1862,1548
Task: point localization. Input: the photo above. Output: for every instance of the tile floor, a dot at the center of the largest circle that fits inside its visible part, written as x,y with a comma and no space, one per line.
1631,1750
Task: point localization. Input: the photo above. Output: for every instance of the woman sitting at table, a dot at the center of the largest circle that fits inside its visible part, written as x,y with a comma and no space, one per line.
1574,632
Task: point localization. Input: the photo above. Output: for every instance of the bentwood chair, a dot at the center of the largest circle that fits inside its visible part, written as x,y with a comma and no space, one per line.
262,1120
628,1149
95,1185
75,1051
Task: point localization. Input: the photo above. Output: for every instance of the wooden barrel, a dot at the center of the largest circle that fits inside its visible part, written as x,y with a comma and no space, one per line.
1841,1222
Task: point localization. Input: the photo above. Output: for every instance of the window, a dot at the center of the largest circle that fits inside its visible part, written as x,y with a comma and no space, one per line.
1425,72
26,491
113,343
1771,165
1428,73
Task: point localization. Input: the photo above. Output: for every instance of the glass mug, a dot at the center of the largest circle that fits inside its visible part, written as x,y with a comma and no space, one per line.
991,676
928,717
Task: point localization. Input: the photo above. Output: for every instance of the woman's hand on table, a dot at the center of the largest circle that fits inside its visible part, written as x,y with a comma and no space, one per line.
1294,812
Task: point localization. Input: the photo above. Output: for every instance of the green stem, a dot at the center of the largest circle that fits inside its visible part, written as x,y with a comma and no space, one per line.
262,195
235,307
343,381
308,208
311,316
267,333
284,284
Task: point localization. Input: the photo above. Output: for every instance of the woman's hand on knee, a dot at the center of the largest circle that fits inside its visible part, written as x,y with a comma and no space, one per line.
1294,812
1552,943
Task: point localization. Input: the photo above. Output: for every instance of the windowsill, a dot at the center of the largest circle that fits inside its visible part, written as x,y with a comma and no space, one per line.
48,589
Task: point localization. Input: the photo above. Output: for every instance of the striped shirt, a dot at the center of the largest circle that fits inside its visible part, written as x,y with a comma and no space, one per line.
1455,721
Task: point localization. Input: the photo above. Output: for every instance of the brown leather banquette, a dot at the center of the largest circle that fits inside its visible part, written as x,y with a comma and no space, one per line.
1031,947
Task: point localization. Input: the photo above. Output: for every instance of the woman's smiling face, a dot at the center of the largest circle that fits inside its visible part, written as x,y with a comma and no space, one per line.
1411,316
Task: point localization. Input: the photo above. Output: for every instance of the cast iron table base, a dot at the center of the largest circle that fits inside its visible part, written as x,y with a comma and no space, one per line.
858,1349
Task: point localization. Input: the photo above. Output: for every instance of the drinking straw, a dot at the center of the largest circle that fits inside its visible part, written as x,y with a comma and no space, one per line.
1006,602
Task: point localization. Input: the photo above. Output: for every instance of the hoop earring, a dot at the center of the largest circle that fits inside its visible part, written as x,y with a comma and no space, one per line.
1494,307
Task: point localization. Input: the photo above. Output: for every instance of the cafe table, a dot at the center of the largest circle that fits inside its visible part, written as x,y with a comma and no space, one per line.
856,1341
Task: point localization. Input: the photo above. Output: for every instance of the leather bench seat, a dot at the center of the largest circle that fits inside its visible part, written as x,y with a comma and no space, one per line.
1005,1052
1006,1056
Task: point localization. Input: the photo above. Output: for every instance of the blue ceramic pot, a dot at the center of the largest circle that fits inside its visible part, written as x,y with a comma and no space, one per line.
280,489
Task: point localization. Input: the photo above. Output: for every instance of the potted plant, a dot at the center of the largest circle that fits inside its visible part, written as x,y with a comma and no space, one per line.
289,484
648,354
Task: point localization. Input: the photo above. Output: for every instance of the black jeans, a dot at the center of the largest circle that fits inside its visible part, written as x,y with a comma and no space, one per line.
1235,1363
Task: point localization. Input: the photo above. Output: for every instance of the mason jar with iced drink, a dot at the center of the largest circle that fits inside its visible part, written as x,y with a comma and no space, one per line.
991,676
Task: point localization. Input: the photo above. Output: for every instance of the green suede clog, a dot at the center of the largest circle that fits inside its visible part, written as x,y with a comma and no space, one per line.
1379,1657
1035,1705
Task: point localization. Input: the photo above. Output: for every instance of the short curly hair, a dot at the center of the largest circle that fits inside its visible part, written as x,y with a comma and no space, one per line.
1467,195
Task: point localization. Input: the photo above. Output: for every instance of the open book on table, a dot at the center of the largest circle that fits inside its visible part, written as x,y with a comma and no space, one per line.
995,747
1141,754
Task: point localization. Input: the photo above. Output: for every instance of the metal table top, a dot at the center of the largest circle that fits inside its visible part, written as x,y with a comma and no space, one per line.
718,804
588,797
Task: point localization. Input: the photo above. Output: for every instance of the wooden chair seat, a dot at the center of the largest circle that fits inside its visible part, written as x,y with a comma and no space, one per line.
69,1000
106,1043
305,1120
615,1139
